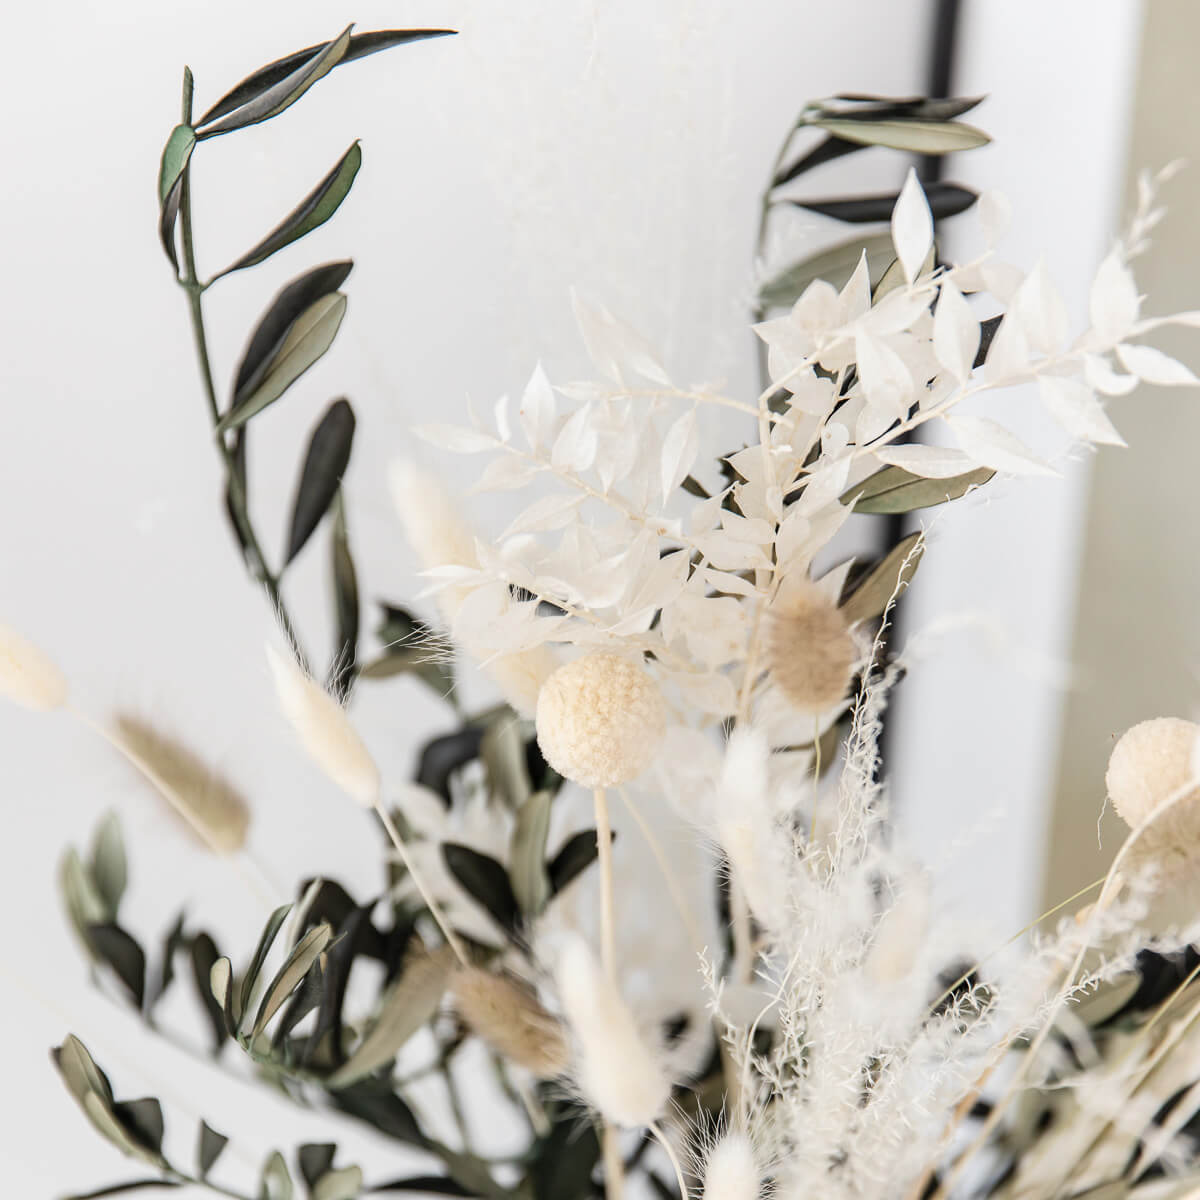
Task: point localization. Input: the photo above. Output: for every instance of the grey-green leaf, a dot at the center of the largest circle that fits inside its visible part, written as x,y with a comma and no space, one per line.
344,1183
918,137
84,904
410,1003
213,977
945,200
109,869
276,1183
345,604
527,854
265,942
835,265
423,663
273,100
315,1158
175,156
872,597
307,340
288,977
313,211
143,1119
485,881
503,752
895,490
209,1149
121,952
324,465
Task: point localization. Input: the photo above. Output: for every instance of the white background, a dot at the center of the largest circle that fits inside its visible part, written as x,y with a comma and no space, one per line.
619,147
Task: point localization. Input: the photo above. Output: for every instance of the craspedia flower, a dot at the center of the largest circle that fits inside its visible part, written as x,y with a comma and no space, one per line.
810,650
27,676
1151,763
600,720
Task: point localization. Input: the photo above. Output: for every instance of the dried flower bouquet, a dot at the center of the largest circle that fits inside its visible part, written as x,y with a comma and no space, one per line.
662,640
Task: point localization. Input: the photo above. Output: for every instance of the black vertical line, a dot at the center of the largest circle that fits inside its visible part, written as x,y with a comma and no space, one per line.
930,169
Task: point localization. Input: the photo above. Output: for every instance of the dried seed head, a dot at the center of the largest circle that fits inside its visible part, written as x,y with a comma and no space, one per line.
325,731
507,1015
1151,763
731,1172
600,720
211,806
614,1067
811,652
27,676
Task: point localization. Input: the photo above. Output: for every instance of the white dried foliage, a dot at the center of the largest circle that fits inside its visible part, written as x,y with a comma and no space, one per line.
324,730
614,1068
27,676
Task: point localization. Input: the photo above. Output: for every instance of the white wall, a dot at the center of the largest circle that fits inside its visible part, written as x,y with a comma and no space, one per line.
619,147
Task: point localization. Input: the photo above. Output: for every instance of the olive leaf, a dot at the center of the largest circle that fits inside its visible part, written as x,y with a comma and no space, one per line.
276,1183
343,1183
109,870
119,1189
576,854
209,1148
412,648
485,881
325,463
314,1159
214,983
289,976
410,1003
143,1118
313,211
114,946
527,854
81,898
918,137
430,1185
175,157
265,941
871,598
945,200
274,327
274,73
345,603
895,490
503,752
826,150
835,265
442,756
867,107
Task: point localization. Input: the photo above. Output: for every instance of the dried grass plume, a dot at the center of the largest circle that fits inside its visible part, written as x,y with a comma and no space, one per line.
27,676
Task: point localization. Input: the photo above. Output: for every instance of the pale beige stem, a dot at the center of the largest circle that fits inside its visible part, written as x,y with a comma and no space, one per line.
435,909
669,1150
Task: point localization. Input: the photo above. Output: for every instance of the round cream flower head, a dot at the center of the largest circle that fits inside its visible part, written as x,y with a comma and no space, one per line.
1151,763
600,720
810,649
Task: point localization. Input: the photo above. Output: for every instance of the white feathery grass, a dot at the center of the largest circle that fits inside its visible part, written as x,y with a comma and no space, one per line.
325,731
27,676
614,1068
745,824
730,1171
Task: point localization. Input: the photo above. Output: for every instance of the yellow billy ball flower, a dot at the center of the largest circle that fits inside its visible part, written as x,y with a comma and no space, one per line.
600,720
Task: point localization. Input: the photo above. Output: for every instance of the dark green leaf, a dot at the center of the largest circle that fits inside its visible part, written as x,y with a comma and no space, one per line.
826,150
918,108
694,487
919,137
431,1185
895,490
265,941
313,211
945,200
281,315
315,1158
871,598
361,44
485,880
835,265
204,956
108,867
565,1158
442,756
276,1183
324,465
120,951
374,1102
274,99
527,855
144,1121
288,977
175,941
987,333
175,156
209,1148
307,341
354,934
119,1189
503,752
345,605
236,498
425,664
303,1000
577,854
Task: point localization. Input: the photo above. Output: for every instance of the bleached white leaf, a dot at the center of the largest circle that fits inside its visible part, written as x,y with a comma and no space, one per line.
548,513
912,227
1113,302
757,531
537,410
1043,313
955,332
576,444
729,554
506,472
994,446
1008,355
930,462
679,450
1154,366
1075,407
1002,279
456,438
856,295
886,380
1099,373
995,216
503,427
731,584
612,344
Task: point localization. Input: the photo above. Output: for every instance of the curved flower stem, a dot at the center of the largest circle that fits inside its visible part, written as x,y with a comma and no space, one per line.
669,1150
239,512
